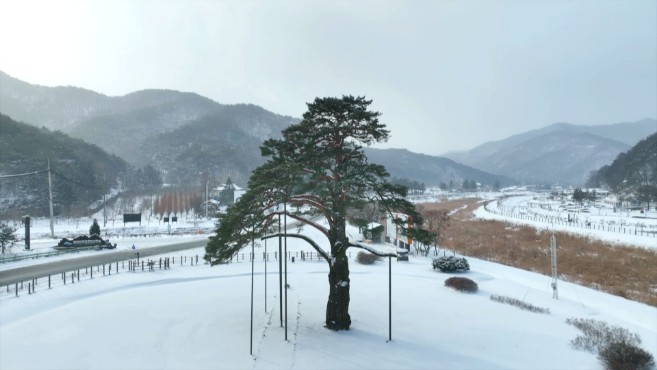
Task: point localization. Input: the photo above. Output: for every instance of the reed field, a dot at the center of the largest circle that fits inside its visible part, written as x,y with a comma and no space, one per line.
622,270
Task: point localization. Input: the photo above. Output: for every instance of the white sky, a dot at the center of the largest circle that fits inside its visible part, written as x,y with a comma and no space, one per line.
447,75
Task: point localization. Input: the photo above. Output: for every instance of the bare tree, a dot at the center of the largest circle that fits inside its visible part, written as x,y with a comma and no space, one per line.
436,222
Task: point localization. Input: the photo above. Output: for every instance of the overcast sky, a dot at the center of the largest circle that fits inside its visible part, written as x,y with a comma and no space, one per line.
446,75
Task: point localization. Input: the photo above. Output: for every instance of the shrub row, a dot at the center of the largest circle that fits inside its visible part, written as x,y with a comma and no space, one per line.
520,304
462,284
450,264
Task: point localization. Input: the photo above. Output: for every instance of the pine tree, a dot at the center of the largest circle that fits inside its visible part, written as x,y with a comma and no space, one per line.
319,166
227,195
95,228
7,237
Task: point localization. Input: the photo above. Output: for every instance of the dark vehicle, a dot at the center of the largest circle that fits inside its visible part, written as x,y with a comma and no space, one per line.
84,241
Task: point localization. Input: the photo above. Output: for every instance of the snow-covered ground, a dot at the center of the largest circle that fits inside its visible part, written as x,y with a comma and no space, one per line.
197,317
602,223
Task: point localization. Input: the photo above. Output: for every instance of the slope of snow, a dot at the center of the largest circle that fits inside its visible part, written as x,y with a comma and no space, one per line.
198,317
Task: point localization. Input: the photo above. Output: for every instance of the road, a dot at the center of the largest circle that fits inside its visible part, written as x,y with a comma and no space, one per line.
52,268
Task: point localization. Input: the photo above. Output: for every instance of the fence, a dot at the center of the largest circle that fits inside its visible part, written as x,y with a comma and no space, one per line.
70,277
141,265
553,220
291,256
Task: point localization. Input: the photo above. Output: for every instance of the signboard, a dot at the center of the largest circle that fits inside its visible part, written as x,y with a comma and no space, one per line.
132,217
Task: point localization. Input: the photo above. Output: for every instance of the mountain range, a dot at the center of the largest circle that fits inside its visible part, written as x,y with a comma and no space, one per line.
186,136
189,138
560,153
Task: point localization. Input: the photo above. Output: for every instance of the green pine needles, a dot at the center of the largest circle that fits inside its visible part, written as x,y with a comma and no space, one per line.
317,170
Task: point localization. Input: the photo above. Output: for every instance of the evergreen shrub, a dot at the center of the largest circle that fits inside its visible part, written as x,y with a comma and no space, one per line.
95,228
462,284
450,264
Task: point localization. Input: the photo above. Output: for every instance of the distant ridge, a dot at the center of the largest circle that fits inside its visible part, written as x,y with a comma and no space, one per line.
560,153
431,170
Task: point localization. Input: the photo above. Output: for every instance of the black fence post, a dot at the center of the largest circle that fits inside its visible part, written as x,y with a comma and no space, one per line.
49,281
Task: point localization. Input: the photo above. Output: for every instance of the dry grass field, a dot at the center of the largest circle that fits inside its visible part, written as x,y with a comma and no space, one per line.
625,271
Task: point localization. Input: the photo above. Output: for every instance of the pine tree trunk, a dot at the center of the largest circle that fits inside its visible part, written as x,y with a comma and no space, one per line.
337,308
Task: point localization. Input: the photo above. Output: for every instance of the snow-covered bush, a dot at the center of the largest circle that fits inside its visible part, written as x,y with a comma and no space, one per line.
462,284
366,258
617,347
450,264
621,356
518,303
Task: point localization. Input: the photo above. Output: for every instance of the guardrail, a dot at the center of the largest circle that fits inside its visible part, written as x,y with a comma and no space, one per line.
44,254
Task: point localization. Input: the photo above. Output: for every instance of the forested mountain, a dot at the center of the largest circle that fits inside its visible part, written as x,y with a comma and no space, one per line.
430,170
55,108
88,115
633,172
183,135
222,144
557,154
186,137
82,172
138,117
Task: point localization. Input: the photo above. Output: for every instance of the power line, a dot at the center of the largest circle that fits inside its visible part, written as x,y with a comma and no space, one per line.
75,182
53,171
22,174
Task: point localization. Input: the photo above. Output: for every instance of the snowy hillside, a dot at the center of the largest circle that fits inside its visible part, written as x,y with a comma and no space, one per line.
197,317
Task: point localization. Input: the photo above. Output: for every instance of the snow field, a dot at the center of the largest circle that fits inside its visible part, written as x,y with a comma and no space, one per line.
199,317
519,205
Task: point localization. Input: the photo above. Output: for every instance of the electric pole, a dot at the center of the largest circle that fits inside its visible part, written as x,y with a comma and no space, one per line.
553,250
52,224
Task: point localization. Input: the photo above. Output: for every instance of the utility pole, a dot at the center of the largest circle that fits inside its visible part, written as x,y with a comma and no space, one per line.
52,224
553,250
104,213
206,198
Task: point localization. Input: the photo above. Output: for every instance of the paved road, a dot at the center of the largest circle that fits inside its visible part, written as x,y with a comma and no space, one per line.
52,268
